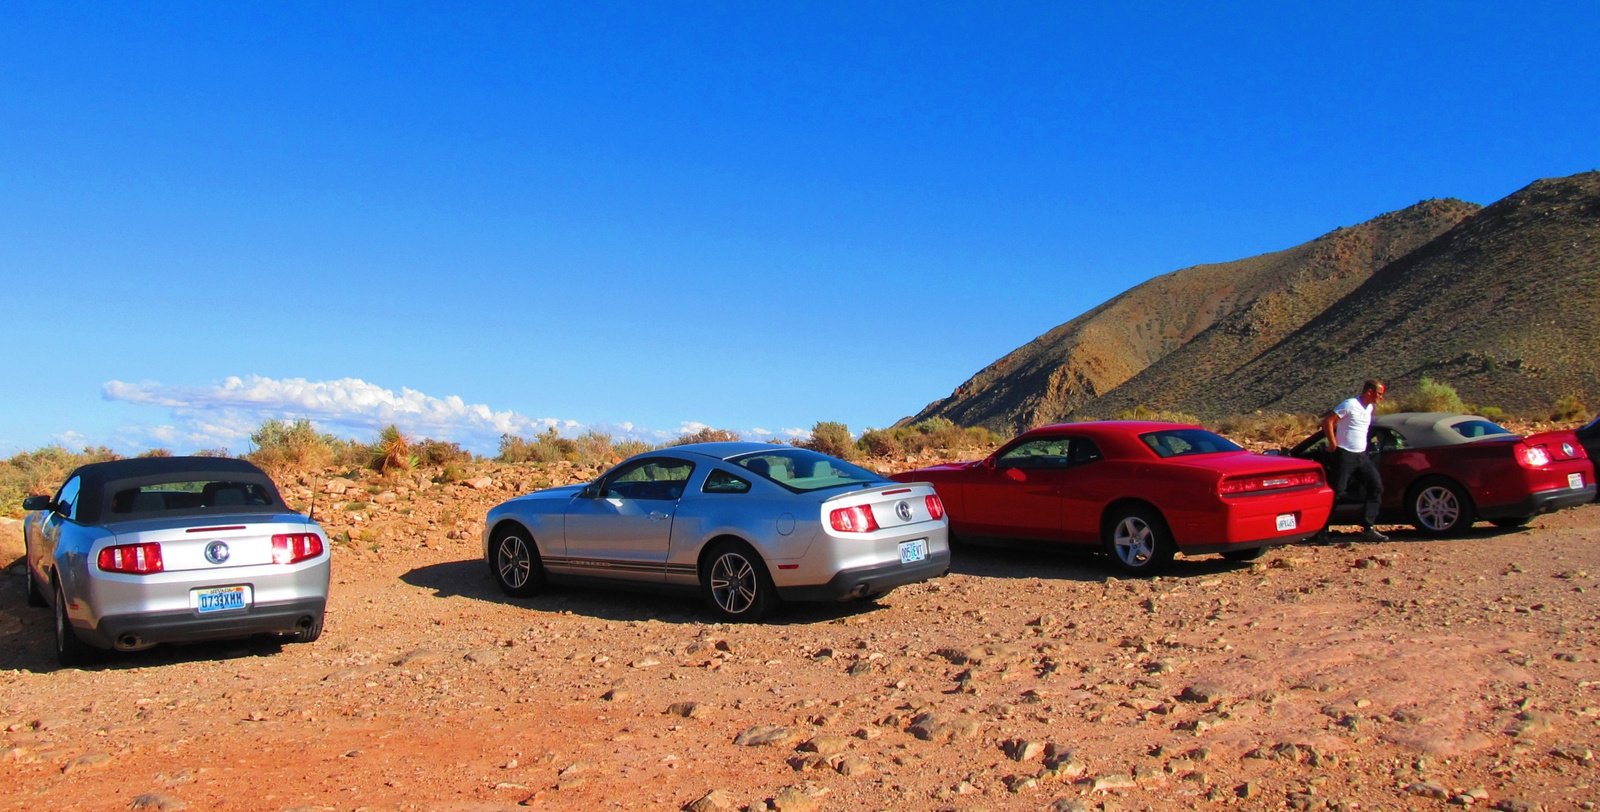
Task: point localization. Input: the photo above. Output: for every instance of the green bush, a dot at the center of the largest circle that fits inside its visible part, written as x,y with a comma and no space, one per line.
880,443
1569,408
707,435
1432,396
438,452
281,446
1143,412
1269,427
833,439
392,451
40,472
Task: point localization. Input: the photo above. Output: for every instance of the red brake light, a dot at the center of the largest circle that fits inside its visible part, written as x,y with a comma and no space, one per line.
1259,482
858,519
289,548
135,559
935,506
1532,456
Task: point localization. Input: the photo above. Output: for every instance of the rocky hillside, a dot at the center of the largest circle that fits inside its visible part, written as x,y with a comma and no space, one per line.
1505,307
1186,327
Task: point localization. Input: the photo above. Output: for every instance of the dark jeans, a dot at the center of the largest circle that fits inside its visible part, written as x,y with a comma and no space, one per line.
1359,467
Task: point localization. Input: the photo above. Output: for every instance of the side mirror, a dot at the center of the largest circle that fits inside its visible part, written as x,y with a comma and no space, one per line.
1275,452
590,491
36,503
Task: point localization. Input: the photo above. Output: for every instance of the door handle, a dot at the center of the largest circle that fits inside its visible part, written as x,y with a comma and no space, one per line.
656,516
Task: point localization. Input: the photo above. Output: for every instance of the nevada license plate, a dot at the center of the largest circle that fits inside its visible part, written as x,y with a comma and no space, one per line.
1286,521
1574,480
913,550
221,599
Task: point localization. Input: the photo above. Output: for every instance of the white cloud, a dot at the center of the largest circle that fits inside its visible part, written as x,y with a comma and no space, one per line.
226,413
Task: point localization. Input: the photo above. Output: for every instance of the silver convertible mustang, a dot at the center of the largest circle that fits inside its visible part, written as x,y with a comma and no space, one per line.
131,553
745,524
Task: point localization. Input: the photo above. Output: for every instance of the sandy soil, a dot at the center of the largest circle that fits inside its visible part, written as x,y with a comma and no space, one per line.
1412,674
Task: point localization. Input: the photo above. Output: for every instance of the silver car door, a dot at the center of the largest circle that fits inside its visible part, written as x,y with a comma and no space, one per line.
622,528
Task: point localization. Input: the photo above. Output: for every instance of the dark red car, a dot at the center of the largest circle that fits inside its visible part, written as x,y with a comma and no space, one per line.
1443,471
1143,491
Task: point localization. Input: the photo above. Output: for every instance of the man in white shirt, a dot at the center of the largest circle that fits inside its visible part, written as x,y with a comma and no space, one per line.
1346,429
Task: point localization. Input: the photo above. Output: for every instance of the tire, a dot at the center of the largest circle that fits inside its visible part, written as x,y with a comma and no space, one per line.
1439,507
308,634
1512,523
1138,541
70,651
735,584
514,562
1244,555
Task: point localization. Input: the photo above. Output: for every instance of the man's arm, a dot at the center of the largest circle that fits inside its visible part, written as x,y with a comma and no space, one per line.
1330,424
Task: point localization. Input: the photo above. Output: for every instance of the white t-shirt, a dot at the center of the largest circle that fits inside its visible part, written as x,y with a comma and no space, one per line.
1354,421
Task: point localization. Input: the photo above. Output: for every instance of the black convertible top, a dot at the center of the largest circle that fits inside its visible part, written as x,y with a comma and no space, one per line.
101,480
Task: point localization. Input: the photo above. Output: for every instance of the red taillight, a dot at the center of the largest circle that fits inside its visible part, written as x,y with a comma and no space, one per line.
288,548
134,559
1532,456
935,506
1268,482
858,519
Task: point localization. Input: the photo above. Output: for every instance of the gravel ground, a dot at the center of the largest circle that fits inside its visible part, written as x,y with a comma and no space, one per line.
1412,674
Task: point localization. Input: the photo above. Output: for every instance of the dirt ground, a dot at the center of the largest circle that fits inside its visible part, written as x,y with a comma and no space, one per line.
1412,674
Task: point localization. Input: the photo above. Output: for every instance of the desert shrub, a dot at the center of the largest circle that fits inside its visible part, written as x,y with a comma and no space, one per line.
156,452
547,447
1494,413
1432,396
707,435
593,448
212,452
438,452
627,448
833,439
1277,428
1568,408
880,443
41,472
281,446
1143,412
392,451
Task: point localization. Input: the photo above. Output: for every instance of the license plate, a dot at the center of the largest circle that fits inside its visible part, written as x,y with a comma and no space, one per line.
1286,521
1574,480
913,550
221,599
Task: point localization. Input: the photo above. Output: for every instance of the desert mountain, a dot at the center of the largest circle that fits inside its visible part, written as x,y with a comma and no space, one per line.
1505,307
1185,328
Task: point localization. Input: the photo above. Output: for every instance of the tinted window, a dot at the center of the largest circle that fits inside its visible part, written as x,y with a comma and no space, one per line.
1050,452
188,495
1185,442
1388,439
67,499
1478,428
653,478
801,470
720,481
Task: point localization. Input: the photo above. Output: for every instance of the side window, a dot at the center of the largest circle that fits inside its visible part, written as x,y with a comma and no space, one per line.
67,499
720,481
659,478
1050,452
1388,440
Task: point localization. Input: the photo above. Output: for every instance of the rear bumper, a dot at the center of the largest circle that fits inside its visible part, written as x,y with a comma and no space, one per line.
186,626
865,582
1541,502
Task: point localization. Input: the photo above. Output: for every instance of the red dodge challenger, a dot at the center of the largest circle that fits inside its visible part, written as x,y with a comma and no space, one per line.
1144,491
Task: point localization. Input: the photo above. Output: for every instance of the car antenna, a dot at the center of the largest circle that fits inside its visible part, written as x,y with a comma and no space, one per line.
311,512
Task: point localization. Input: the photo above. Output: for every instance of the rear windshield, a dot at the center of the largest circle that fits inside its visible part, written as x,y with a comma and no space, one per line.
1184,442
1478,428
801,470
167,497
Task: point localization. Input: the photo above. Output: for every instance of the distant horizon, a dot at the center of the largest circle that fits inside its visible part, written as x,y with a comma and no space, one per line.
645,221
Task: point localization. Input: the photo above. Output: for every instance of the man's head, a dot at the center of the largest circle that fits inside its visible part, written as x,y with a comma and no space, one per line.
1372,391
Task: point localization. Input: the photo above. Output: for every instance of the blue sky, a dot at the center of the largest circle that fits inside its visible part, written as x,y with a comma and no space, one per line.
473,218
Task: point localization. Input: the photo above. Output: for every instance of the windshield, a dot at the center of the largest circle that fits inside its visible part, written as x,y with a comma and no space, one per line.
1183,442
801,470
1478,428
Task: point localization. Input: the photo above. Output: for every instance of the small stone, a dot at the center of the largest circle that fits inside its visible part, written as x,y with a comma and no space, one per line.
155,800
483,656
716,800
760,735
1203,692
617,695
646,662
852,766
688,710
1428,789
1108,783
1248,789
1529,724
792,799
1023,749
385,498
480,483
87,761
1069,805
421,656
826,745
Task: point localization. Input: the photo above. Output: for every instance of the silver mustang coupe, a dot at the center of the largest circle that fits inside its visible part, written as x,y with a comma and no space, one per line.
744,524
131,553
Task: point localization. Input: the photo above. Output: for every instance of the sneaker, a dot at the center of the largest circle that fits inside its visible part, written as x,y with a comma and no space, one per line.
1372,534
